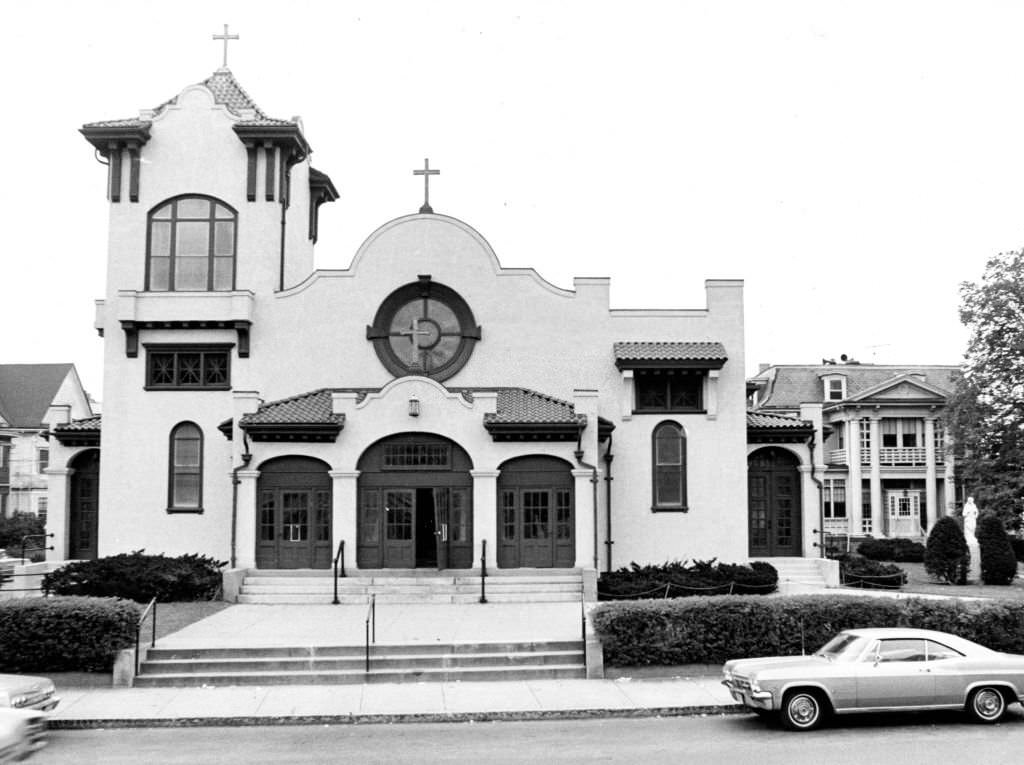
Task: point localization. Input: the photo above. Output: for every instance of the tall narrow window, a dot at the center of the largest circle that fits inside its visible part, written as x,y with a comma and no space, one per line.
191,246
185,487
669,467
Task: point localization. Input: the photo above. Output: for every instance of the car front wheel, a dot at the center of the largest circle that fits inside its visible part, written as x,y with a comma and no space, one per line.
802,710
986,704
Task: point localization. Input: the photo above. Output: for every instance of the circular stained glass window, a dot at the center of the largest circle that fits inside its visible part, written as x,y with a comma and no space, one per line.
425,329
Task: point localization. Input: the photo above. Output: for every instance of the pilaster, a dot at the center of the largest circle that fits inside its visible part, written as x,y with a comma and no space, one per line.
344,525
586,554
58,483
245,520
485,515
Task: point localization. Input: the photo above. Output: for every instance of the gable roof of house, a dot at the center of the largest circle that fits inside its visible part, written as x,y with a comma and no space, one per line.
789,385
27,390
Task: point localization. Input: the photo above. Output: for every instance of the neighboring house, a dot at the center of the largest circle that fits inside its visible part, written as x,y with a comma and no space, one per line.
426,406
33,398
870,436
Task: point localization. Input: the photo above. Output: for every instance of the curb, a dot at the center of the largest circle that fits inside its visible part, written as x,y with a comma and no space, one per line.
378,719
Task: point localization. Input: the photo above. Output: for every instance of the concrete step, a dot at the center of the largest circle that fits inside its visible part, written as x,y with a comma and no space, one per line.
547,672
382,649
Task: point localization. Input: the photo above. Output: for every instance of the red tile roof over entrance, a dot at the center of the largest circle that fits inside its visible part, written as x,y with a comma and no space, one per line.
670,351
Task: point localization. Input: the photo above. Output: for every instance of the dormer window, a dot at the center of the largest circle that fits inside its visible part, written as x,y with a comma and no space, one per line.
191,246
835,388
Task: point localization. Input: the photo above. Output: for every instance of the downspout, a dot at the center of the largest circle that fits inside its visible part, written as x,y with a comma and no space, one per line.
593,484
235,481
284,208
608,541
821,502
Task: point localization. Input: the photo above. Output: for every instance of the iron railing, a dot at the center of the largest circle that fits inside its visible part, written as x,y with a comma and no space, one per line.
371,627
138,631
483,571
24,542
339,557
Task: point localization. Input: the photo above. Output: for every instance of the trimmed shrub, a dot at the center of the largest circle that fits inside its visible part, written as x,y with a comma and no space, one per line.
858,571
1018,547
898,550
139,577
65,634
998,563
16,528
713,630
678,580
946,556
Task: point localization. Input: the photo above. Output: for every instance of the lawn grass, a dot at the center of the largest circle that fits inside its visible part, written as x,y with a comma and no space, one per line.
919,581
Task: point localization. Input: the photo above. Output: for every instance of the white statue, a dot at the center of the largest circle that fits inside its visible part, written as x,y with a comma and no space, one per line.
970,513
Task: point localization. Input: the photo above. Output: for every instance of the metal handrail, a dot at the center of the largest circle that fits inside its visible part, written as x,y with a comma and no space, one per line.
483,571
340,556
138,631
371,619
25,539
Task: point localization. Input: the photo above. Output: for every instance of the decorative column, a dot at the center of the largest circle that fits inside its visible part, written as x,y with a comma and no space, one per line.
585,510
245,519
344,525
810,514
949,482
877,509
930,488
485,515
58,489
853,492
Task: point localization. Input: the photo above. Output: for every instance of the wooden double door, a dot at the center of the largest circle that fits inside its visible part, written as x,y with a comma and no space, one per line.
415,527
294,514
536,514
774,507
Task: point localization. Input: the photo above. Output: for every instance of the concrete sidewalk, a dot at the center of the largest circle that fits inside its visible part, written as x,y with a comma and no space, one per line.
391,702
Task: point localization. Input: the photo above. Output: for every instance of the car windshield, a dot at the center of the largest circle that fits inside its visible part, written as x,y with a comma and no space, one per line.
843,647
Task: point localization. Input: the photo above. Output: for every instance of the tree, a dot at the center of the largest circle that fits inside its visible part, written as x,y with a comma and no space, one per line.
946,555
17,527
998,563
985,415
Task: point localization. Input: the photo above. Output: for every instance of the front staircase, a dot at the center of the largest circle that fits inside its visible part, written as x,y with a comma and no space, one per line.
799,575
310,586
189,667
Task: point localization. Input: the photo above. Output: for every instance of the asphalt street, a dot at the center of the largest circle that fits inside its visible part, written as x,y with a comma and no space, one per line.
922,739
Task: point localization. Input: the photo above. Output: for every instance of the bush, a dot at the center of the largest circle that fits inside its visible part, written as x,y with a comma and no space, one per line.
713,630
898,550
16,528
139,577
65,634
858,571
678,580
946,556
1018,547
998,563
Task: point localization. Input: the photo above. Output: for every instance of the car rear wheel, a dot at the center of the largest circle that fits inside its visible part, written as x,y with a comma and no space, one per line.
986,704
802,710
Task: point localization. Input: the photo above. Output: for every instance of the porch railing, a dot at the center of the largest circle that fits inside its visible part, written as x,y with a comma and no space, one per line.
138,631
371,627
902,456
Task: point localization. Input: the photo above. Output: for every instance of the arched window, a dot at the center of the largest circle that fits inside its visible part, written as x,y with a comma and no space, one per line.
185,484
191,246
668,446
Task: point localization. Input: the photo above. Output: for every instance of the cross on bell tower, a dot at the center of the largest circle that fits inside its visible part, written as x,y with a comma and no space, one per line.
225,37
426,172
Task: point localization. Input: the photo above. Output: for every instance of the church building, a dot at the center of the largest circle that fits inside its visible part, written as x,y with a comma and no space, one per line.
426,407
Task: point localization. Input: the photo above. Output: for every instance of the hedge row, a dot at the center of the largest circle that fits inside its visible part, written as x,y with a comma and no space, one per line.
679,580
65,634
864,573
898,550
713,630
139,577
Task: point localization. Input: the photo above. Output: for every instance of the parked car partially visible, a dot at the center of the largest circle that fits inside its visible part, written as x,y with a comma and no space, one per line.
880,670
28,692
22,732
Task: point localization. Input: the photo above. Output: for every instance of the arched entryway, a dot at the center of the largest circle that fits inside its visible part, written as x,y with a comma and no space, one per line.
536,514
83,516
415,504
773,502
293,515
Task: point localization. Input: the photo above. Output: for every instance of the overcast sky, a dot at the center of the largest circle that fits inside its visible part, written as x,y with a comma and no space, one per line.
852,162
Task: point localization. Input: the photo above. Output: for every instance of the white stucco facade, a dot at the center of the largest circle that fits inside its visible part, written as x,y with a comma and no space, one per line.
300,335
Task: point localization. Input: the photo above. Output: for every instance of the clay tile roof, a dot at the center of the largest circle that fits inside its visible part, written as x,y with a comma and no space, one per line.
85,424
669,351
306,408
520,405
131,122
761,420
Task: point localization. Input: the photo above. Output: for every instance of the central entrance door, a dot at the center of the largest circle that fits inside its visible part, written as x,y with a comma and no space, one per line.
773,497
415,504
294,515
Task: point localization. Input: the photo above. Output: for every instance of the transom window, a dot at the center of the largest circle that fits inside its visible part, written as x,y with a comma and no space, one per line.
669,390
188,367
191,246
669,467
185,485
405,456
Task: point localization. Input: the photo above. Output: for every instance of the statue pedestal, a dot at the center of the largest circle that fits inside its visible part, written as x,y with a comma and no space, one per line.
974,570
